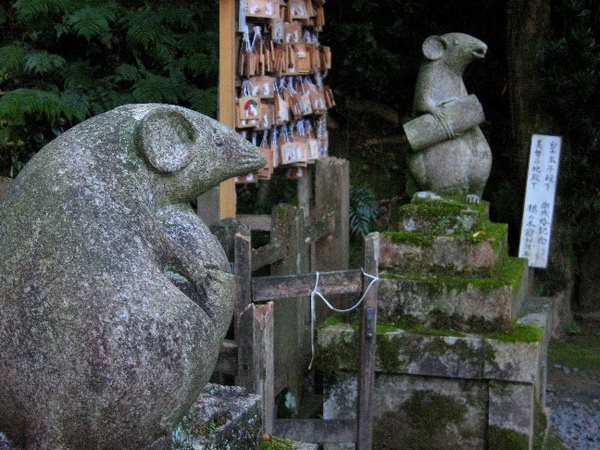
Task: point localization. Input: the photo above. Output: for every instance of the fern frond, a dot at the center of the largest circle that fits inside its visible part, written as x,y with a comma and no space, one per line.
144,29
16,105
127,72
79,76
12,59
27,9
155,88
93,21
42,62
203,100
174,14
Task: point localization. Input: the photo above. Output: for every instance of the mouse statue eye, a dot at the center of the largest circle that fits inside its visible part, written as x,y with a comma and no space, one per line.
217,139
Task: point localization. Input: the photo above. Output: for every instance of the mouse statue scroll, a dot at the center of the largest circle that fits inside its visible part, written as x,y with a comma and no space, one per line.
114,295
450,155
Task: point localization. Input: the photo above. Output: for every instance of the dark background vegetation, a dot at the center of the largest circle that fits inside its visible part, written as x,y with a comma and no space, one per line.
62,61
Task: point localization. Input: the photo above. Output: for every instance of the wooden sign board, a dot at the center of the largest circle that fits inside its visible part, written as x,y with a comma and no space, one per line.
538,210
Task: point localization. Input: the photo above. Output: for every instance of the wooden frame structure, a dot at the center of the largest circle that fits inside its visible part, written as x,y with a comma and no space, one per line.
254,330
226,106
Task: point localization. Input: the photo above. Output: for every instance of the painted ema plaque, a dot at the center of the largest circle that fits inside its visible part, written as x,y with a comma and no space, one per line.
539,200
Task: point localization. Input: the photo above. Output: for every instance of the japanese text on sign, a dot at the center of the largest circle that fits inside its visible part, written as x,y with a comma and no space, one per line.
539,200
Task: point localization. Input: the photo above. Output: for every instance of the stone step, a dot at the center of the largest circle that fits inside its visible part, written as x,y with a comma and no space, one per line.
442,216
466,303
460,254
444,237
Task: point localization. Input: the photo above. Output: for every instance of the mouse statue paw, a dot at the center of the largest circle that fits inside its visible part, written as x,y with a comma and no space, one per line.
473,199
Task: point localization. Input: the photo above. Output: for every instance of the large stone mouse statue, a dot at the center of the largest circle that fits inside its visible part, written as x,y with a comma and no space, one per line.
114,295
459,163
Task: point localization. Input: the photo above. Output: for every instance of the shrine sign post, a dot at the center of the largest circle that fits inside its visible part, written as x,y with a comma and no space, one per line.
539,200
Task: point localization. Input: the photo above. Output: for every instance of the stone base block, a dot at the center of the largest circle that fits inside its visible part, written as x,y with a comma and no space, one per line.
511,415
413,412
222,417
475,391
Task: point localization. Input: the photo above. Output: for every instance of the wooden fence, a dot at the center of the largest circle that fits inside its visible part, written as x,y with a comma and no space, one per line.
272,320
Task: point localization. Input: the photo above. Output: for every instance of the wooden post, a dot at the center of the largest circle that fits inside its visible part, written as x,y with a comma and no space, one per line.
243,319
292,318
332,185
364,428
264,366
226,109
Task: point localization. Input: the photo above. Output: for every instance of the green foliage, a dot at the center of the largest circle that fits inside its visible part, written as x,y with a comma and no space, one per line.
570,72
580,350
363,209
62,61
275,443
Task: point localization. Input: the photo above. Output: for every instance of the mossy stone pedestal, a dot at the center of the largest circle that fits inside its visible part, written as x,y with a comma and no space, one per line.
458,366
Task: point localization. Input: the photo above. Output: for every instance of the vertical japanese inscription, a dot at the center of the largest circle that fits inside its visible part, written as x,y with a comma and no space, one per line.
539,199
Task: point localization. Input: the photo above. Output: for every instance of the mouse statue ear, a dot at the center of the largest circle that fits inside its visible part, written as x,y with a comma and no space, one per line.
434,47
166,139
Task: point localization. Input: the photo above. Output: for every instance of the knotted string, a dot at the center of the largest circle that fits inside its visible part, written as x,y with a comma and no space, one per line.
313,312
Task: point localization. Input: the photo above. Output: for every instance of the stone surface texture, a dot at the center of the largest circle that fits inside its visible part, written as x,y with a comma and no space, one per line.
460,161
4,184
415,412
223,417
461,346
114,295
448,261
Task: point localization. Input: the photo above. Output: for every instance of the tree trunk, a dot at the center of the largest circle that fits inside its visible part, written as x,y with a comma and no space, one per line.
528,27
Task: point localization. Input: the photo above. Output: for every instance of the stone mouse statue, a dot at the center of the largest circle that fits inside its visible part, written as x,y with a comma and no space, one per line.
114,295
460,162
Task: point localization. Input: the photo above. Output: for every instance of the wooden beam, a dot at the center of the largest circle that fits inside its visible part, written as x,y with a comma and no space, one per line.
268,254
226,107
301,285
258,222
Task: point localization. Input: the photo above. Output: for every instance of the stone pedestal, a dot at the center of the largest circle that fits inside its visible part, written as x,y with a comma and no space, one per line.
222,417
461,349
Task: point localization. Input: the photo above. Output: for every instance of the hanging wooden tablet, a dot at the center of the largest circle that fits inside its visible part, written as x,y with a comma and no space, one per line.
267,9
302,57
328,94
298,10
295,173
265,172
325,57
267,111
248,112
292,32
277,30
251,177
262,86
282,110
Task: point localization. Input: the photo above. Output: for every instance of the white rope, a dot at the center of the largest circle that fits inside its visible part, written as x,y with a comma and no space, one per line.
313,312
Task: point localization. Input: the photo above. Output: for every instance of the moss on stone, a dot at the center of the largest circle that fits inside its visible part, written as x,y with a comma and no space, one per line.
503,439
409,238
421,422
275,443
508,273
519,333
460,347
339,353
388,352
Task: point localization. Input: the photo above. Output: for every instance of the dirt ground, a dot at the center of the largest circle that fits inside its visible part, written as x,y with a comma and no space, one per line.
574,362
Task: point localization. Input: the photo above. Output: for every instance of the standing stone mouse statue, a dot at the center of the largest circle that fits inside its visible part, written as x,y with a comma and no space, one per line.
460,163
114,295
